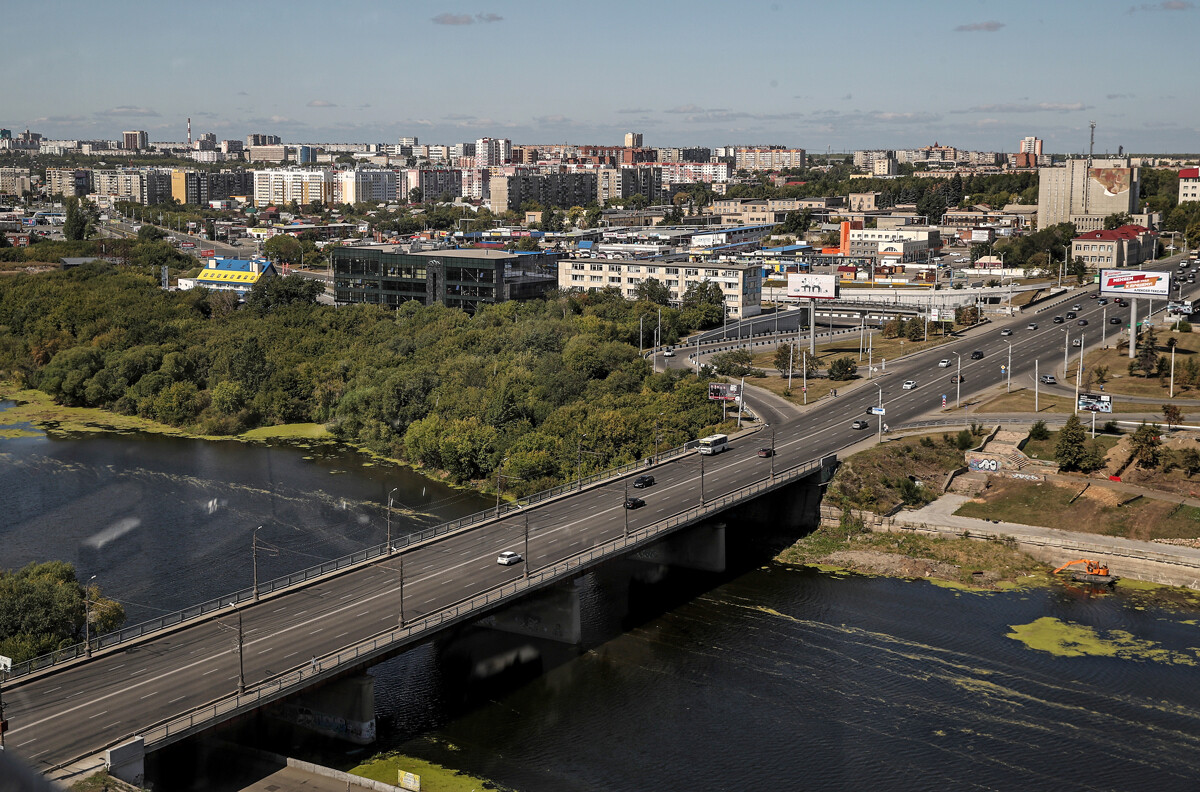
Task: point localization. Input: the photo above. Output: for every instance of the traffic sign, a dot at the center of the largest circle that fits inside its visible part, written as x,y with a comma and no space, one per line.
878,411
1002,369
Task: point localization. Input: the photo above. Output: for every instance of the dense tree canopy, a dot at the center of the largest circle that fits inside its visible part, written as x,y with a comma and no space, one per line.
42,609
431,385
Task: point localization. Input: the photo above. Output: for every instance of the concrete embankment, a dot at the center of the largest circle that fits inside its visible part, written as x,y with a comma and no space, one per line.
1129,558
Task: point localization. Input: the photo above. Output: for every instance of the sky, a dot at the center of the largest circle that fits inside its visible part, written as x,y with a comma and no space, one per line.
824,76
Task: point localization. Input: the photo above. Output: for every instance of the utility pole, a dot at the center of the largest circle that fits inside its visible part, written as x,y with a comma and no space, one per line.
741,401
804,375
1132,327
241,655
254,557
1008,387
812,326
641,344
1035,385
701,455
958,384
5,666
626,504
791,357
87,618
1078,376
579,457
525,574
1172,394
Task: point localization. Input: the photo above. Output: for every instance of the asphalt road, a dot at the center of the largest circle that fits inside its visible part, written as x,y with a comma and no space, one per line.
117,694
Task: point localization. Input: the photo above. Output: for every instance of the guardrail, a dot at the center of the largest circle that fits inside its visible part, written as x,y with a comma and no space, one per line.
303,576
292,681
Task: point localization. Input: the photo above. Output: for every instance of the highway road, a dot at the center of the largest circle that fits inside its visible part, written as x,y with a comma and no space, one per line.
79,709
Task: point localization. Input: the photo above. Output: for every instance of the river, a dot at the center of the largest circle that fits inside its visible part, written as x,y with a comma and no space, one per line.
768,677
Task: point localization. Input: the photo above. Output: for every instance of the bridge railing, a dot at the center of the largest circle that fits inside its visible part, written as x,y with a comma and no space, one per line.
302,576
297,679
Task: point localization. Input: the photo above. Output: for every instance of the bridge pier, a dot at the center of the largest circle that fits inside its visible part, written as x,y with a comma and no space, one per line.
344,708
552,613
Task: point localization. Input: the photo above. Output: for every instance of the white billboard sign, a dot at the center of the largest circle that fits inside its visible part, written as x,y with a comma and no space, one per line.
821,287
1135,283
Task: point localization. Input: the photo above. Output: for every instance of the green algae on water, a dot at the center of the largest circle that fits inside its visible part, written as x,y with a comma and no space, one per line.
1065,639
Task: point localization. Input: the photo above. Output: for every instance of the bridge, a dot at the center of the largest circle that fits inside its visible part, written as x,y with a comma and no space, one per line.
163,681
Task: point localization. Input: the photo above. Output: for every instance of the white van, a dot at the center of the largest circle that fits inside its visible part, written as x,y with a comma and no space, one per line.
714,444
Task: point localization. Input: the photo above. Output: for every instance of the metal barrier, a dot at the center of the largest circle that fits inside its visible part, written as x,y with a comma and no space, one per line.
345,562
297,679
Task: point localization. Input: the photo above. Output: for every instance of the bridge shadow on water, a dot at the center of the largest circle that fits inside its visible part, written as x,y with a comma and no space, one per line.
432,684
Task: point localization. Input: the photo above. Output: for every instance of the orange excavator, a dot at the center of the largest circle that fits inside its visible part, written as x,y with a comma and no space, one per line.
1097,572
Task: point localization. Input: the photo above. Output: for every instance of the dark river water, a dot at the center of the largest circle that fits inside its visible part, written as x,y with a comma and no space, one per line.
766,678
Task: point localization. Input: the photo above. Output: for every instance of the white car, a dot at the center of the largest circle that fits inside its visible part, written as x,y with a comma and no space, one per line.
909,384
944,363
508,557
1006,332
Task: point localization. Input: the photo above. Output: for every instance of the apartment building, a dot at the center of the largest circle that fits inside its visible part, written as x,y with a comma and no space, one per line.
365,185
14,181
885,166
1189,184
259,139
633,140
1126,246
1030,145
433,183
68,181
145,186
272,153
741,284
684,154
617,183
135,140
1084,195
200,187
492,151
549,189
756,159
693,172
277,186
866,159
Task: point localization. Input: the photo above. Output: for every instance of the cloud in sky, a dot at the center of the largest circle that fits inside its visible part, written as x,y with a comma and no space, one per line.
691,108
991,26
1037,107
321,103
129,111
1116,96
1166,5
635,110
465,19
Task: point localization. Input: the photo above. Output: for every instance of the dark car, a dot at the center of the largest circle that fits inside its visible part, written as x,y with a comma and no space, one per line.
634,503
1114,320
1070,314
977,355
643,481
956,379
1058,320
1082,323
766,452
859,425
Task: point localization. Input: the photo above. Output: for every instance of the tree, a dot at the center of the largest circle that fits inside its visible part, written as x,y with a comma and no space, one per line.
150,233
43,608
1116,220
1039,431
842,369
79,219
1189,460
269,294
786,359
653,290
415,195
1094,457
1101,373
734,363
1069,450
1172,415
705,292
284,249
1145,446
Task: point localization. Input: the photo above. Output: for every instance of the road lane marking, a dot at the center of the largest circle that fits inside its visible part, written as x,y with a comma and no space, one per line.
176,701
213,671
148,695
314,632
293,654
97,715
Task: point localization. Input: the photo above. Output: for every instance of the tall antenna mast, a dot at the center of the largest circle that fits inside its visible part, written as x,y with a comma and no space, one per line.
189,132
1087,188
1091,142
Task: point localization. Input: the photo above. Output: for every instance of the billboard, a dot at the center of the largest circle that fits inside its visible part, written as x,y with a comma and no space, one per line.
1136,283
724,391
1095,402
821,287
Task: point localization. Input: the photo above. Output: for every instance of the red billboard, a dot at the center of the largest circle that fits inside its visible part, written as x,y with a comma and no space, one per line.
208,253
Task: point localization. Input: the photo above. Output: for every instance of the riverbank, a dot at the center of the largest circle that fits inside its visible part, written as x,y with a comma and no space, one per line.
434,777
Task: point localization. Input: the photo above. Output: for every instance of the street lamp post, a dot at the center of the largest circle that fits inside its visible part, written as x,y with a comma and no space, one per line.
1008,387
525,558
626,505
657,435
1066,351
499,479
772,428
241,654
879,417
701,478
579,458
87,618
958,383
254,558
389,520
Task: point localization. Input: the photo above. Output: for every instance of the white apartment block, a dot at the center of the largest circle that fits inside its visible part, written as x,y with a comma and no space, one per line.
365,185
741,284
1189,184
693,172
767,158
277,186
492,151
1031,145
1084,196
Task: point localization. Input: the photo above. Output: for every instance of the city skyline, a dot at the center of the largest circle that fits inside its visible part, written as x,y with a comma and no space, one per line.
981,75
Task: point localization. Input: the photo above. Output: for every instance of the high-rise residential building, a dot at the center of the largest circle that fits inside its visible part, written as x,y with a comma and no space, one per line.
68,181
365,185
1084,192
200,187
145,186
616,183
231,147
275,186
432,184
134,141
1031,145
767,158
14,181
492,151
259,139
549,189
633,140
410,142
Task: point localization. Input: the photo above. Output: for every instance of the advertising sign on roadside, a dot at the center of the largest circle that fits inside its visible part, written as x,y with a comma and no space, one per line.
724,391
1095,402
820,287
1136,283
209,253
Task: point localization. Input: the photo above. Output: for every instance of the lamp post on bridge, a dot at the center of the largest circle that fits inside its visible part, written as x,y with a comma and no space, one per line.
657,434
389,520
87,618
240,646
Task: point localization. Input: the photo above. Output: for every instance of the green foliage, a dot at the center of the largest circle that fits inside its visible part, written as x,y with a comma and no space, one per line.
80,219
1189,461
1172,414
1093,457
964,439
1146,446
1116,220
430,385
842,369
283,249
150,233
42,609
653,290
734,363
1039,431
1069,451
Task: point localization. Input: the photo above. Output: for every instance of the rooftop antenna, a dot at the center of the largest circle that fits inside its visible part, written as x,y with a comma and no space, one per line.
1091,148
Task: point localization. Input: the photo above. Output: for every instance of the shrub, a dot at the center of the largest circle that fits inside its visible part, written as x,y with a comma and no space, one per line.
1039,431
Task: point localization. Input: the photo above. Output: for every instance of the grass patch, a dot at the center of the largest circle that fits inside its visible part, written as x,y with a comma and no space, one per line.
1116,357
434,777
37,408
877,479
306,431
100,782
1021,401
1044,449
1046,504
